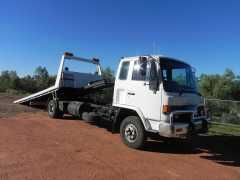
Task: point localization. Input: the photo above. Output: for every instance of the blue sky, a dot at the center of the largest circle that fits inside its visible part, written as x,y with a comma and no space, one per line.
204,33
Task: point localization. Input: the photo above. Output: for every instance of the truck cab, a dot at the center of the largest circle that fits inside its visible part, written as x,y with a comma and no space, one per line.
163,93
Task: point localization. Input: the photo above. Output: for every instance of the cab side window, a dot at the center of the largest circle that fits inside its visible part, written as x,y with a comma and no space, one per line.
124,70
139,70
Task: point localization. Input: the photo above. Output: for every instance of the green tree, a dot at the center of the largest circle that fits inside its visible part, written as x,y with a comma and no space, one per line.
41,77
226,86
207,84
9,80
51,80
28,84
105,95
108,74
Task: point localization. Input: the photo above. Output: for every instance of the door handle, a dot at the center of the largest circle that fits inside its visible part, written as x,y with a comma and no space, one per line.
145,84
131,93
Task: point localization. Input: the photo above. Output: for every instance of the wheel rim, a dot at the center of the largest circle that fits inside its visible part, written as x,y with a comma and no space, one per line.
131,133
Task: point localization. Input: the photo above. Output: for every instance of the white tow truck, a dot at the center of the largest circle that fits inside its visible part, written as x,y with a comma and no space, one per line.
151,95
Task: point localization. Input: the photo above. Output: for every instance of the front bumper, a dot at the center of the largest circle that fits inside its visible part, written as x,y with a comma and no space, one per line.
183,130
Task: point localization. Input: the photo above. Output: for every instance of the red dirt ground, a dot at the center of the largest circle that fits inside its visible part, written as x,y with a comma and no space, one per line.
33,146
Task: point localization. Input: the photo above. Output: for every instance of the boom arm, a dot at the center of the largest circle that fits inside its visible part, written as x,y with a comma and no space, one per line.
70,56
49,90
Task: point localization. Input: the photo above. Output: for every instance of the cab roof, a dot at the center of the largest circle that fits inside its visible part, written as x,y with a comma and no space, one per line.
155,56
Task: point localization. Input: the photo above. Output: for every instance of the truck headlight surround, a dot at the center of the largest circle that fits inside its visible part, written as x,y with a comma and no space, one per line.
166,109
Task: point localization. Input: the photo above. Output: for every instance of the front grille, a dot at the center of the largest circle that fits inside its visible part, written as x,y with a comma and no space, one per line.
182,118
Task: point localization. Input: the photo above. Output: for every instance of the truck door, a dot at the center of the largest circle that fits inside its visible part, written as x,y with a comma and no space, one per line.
140,92
121,84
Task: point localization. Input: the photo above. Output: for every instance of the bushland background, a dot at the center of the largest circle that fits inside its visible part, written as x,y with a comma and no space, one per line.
221,93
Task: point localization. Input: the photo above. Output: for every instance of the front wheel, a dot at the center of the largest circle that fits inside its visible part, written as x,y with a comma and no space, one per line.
132,132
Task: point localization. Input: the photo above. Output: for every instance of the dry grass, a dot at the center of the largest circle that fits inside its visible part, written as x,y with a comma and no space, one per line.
7,108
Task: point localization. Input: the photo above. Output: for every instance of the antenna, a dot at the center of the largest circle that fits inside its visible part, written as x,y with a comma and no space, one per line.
154,47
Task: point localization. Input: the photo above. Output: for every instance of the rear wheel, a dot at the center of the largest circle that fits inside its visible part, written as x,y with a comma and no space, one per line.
132,132
53,110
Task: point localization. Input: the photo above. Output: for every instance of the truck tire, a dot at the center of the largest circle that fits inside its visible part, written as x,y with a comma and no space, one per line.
132,132
53,110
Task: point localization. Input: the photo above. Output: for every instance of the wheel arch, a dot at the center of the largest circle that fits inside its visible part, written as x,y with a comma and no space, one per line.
122,113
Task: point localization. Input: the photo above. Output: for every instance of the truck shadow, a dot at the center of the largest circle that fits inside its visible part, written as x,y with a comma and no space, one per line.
95,122
223,149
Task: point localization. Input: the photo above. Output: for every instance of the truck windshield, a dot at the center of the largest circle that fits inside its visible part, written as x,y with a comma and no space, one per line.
177,76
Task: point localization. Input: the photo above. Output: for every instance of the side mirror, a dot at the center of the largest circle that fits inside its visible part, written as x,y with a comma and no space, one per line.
153,78
143,66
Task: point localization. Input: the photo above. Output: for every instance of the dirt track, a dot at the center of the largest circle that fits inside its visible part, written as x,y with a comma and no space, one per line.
32,146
